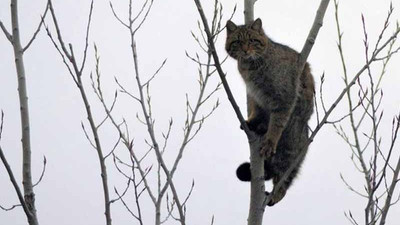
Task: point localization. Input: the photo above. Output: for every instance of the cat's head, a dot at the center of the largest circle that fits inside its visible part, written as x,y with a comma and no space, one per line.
245,41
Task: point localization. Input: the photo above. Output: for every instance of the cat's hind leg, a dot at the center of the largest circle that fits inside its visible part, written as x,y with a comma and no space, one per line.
281,192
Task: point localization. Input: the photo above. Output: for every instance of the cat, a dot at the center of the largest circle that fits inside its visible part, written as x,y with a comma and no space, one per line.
280,100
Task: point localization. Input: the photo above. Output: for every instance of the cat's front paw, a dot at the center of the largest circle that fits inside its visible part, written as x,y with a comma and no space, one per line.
241,126
256,126
268,148
249,124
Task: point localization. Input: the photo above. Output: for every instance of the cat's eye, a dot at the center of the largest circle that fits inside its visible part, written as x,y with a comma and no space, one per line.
255,41
235,44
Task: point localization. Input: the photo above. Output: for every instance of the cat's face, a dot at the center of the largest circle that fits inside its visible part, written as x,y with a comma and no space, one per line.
246,41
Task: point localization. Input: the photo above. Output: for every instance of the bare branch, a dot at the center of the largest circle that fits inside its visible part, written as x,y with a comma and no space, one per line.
385,26
138,194
125,138
189,194
152,77
117,17
6,33
113,149
317,24
123,90
43,171
1,123
61,42
11,175
60,53
10,208
37,29
87,38
170,210
123,193
125,205
87,136
77,76
393,184
15,184
131,21
351,188
144,17
166,136
350,218
219,69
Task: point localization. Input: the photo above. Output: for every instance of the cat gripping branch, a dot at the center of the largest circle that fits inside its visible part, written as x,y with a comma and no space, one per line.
280,101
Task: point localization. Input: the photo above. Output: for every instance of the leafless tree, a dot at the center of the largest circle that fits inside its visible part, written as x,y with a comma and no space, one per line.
76,72
257,197
136,173
147,171
369,154
27,198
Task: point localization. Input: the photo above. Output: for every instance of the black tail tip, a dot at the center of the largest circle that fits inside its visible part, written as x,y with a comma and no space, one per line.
243,172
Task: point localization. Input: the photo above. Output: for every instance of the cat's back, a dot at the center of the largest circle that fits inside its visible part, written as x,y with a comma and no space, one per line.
282,54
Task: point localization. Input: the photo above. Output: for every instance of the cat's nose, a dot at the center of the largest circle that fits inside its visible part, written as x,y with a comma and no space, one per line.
245,48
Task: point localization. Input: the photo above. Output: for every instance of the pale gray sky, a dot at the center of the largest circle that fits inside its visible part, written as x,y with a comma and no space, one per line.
71,193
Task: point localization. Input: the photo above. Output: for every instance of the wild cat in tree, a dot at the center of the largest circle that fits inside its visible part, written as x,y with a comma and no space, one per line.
280,100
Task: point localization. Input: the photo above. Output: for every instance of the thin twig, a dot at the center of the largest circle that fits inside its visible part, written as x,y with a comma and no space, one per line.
6,33
117,17
43,171
87,37
37,29
10,208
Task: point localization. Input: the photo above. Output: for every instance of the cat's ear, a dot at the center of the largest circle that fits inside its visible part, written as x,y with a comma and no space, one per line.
230,26
257,25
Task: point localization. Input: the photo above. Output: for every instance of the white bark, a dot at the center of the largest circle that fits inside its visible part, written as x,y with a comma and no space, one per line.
28,200
312,35
257,184
29,195
249,11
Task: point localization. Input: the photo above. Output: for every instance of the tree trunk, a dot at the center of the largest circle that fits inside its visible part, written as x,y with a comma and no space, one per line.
257,184
29,195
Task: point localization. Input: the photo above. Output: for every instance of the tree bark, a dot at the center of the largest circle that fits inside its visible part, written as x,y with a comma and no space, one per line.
257,184
29,195
249,11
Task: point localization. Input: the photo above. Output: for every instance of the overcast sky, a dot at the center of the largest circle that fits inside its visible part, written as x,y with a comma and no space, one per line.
71,193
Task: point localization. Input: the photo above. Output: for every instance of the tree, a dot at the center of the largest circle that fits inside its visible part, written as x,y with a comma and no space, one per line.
371,158
27,200
258,200
193,123
139,151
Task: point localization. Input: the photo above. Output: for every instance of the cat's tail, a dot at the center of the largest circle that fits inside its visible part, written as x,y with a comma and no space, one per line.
243,172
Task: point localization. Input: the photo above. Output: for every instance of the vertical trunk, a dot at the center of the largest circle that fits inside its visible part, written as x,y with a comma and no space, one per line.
257,185
248,11
29,195
158,212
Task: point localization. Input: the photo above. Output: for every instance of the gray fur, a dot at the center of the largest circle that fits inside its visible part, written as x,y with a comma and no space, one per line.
280,101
